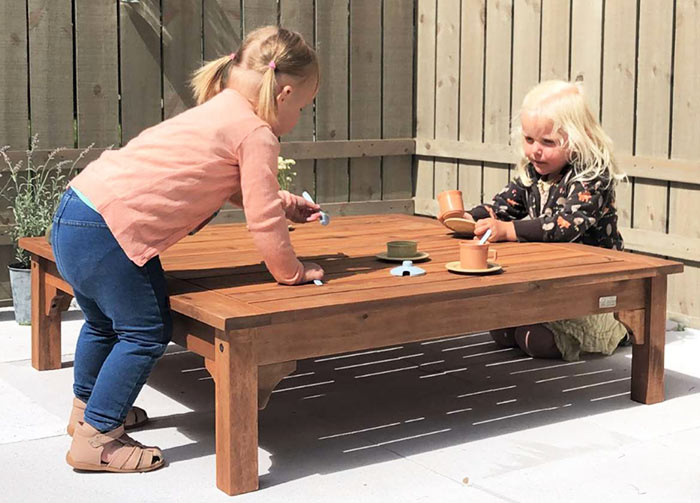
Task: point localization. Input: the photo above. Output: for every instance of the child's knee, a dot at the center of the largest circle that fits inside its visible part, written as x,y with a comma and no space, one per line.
537,341
504,337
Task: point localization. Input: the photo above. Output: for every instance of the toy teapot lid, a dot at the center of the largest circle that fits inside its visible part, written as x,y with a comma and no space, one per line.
407,269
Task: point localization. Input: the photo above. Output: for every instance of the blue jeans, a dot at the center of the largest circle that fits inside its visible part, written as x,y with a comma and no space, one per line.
127,314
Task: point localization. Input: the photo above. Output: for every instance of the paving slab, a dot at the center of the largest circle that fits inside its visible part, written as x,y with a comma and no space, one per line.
456,419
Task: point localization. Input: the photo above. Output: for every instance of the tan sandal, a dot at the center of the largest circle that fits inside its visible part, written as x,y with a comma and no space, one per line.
86,452
134,418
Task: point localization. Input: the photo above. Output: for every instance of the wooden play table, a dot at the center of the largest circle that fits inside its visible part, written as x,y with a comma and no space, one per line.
251,331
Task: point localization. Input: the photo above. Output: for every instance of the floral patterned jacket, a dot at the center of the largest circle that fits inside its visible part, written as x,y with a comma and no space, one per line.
574,211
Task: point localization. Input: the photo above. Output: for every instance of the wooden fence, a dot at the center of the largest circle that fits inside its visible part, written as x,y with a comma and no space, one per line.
78,72
639,64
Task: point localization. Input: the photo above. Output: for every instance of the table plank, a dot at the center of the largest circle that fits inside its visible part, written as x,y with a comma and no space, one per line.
360,273
217,276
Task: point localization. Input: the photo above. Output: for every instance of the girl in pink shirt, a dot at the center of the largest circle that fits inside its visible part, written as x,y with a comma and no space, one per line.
131,204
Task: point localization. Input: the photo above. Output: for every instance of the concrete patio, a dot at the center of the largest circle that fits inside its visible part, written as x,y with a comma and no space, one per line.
454,419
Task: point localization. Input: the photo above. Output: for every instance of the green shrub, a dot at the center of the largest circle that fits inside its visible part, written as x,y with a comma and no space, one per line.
33,192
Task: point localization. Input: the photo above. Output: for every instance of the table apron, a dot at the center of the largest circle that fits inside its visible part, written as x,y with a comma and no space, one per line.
412,322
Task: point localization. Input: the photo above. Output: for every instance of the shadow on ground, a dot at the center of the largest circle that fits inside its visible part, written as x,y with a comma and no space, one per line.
337,413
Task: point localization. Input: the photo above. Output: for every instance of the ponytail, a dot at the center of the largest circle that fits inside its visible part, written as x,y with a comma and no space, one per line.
268,51
267,100
210,79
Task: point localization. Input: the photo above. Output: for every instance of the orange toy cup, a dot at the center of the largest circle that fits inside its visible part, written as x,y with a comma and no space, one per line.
451,204
473,255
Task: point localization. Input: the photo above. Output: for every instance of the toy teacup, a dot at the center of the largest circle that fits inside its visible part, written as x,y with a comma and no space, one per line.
401,249
451,204
475,256
397,251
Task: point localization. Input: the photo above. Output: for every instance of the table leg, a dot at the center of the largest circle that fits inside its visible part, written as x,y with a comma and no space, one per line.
236,412
47,305
649,329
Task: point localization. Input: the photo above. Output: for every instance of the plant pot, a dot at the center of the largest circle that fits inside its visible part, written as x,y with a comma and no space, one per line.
20,279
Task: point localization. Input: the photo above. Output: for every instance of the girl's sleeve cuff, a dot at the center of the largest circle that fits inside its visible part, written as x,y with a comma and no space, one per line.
479,212
529,230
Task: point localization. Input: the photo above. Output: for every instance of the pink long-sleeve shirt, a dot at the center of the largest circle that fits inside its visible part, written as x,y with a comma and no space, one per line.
170,178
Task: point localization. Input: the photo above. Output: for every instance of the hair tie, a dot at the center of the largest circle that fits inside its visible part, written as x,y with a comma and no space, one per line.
272,65
232,56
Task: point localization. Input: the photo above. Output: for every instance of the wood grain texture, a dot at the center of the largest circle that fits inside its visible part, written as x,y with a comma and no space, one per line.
140,67
182,54
298,15
14,106
365,95
332,102
236,412
50,84
684,200
471,96
97,72
425,103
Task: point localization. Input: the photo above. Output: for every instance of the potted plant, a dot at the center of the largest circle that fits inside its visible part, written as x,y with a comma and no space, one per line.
285,175
32,191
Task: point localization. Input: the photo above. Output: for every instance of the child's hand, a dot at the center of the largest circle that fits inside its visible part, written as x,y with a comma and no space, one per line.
311,272
500,230
303,211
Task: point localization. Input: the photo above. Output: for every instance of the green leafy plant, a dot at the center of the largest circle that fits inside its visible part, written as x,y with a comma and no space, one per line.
33,191
285,175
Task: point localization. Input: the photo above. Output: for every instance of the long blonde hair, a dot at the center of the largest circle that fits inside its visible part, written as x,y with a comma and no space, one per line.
269,51
590,148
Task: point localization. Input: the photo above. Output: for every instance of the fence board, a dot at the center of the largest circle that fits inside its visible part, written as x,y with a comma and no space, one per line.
97,74
617,100
526,60
366,91
182,53
222,27
586,36
497,89
257,13
471,96
332,38
684,291
51,72
14,106
680,170
447,89
298,15
526,55
141,89
425,101
554,58
397,92
365,94
653,111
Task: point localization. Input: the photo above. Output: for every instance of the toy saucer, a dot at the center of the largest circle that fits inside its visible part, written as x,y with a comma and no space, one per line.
455,267
415,258
460,225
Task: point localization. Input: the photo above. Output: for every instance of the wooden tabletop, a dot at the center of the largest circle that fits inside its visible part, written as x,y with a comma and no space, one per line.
217,277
